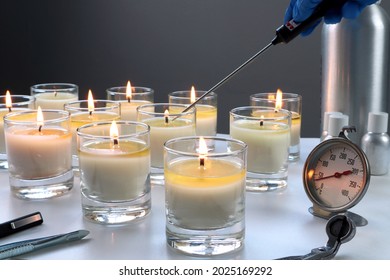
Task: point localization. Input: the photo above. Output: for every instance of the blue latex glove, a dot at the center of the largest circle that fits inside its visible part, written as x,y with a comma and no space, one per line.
299,10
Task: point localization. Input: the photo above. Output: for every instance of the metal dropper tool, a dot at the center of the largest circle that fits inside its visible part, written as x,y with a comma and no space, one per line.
284,34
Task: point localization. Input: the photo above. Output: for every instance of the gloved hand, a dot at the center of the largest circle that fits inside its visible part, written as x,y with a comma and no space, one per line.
299,10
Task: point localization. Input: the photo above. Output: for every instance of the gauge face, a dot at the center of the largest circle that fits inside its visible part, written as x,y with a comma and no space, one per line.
336,175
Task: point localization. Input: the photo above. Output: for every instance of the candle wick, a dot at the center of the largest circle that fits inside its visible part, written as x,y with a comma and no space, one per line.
90,113
116,142
129,99
201,162
40,128
9,109
55,94
261,123
166,120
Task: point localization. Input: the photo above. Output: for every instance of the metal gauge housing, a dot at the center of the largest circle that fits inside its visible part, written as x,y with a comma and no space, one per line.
336,176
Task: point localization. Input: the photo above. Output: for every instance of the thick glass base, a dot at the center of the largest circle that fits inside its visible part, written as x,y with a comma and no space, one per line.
117,212
3,165
294,153
157,176
206,243
42,188
266,182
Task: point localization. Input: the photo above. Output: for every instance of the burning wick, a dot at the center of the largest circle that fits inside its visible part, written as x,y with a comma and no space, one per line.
202,152
39,119
261,121
91,105
128,92
55,93
278,101
166,116
8,101
114,133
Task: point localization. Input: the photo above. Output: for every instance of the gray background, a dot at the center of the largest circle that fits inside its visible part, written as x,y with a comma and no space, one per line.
167,45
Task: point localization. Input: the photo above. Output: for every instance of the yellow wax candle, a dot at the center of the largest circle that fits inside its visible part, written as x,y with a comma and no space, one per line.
205,197
79,119
267,143
114,172
54,100
161,131
34,154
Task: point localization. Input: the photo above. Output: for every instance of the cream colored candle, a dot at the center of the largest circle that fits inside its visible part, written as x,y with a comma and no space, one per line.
204,197
206,120
161,131
54,100
267,143
129,109
79,119
34,154
295,129
114,172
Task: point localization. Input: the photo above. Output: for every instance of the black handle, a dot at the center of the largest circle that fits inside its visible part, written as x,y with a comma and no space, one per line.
292,29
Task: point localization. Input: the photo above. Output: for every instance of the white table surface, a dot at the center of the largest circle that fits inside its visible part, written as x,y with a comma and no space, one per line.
277,225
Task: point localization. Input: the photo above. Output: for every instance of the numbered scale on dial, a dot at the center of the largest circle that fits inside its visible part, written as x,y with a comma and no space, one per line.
336,176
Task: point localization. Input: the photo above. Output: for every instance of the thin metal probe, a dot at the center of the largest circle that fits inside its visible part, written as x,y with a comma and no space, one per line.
227,77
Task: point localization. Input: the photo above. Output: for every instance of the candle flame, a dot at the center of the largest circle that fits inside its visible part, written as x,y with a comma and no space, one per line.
166,116
202,151
114,133
193,95
278,102
8,100
128,91
91,105
39,118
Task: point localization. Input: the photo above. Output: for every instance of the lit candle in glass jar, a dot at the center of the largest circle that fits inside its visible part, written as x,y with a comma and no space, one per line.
205,194
114,162
39,152
130,98
206,109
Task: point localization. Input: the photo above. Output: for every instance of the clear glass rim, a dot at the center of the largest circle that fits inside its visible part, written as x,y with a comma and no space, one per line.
286,96
65,116
235,113
122,90
108,123
141,109
70,105
39,88
243,146
185,94
29,100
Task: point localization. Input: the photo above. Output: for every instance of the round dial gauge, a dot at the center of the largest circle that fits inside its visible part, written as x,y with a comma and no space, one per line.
336,176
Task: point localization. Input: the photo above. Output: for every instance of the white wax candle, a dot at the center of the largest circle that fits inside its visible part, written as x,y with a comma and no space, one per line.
206,120
267,144
114,172
129,109
205,197
54,100
295,129
160,132
34,154
4,112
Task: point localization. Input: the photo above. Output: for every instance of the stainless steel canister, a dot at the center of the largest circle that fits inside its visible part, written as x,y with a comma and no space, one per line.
355,67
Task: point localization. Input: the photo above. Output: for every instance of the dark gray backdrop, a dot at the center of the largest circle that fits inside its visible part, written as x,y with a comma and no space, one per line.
167,45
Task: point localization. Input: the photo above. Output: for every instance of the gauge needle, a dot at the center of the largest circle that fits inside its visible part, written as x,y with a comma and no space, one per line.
335,175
